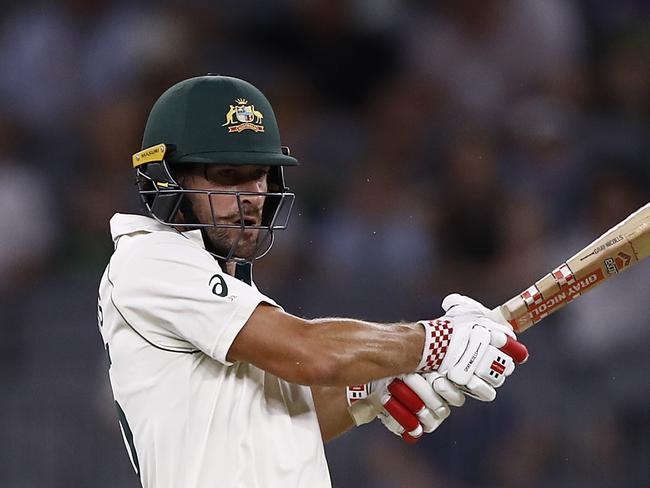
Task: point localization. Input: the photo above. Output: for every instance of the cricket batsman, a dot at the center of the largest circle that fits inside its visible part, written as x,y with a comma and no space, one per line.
214,383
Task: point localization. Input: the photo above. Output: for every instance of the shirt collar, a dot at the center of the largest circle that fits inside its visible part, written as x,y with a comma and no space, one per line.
126,224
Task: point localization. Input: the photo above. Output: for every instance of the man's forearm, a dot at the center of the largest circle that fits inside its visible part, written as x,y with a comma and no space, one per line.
327,352
332,410
365,351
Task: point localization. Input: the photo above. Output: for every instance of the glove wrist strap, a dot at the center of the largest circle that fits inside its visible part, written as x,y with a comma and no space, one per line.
355,393
437,336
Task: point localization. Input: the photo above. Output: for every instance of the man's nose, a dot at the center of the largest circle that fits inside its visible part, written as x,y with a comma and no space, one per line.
252,186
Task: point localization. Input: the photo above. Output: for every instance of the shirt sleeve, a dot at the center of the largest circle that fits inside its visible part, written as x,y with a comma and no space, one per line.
176,296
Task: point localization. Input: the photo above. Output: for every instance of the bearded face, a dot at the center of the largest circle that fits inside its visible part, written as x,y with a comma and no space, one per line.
232,203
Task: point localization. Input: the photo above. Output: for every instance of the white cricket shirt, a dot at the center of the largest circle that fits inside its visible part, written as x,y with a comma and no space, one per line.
190,419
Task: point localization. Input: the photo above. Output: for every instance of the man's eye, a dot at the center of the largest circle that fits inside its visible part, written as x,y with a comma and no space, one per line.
224,175
227,173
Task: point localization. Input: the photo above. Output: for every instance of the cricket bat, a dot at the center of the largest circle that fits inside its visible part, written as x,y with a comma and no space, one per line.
615,251
618,249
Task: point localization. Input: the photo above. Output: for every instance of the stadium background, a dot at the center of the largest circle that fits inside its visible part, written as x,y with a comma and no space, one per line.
445,146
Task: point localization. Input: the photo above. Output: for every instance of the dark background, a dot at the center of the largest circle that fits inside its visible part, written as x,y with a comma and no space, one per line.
445,146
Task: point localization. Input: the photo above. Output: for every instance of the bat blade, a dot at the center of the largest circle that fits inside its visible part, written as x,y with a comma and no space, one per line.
615,251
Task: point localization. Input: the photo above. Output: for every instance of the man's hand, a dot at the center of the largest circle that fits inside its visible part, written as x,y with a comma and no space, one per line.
408,405
469,348
465,351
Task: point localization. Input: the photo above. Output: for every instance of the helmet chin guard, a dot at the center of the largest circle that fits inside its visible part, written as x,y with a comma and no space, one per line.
166,201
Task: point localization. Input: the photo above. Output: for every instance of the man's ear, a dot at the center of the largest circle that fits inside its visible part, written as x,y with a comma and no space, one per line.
185,214
181,171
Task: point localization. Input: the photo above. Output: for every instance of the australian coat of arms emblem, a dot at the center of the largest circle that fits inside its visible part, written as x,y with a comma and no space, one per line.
242,116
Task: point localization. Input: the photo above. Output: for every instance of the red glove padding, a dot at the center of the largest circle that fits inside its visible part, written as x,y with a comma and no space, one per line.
414,404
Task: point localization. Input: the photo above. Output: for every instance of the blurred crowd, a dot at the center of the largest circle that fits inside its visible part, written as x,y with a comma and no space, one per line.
445,146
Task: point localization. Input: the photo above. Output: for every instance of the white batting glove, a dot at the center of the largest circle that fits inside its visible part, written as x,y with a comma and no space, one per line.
408,405
470,349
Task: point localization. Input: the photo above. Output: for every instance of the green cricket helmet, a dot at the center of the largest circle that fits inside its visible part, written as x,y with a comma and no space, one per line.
215,120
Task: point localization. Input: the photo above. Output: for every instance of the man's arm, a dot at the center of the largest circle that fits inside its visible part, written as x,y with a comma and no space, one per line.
323,352
326,352
332,410
330,353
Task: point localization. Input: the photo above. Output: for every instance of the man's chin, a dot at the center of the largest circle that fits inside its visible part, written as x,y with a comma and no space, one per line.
244,250
248,252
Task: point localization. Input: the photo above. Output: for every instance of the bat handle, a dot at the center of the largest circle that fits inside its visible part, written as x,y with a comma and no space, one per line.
497,315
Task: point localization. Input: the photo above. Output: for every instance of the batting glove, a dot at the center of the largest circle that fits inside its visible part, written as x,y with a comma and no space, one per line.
409,405
470,349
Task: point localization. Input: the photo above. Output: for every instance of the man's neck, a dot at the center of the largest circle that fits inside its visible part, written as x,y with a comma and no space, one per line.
230,267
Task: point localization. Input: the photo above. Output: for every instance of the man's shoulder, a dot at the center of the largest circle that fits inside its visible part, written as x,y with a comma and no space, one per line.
160,245
156,245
